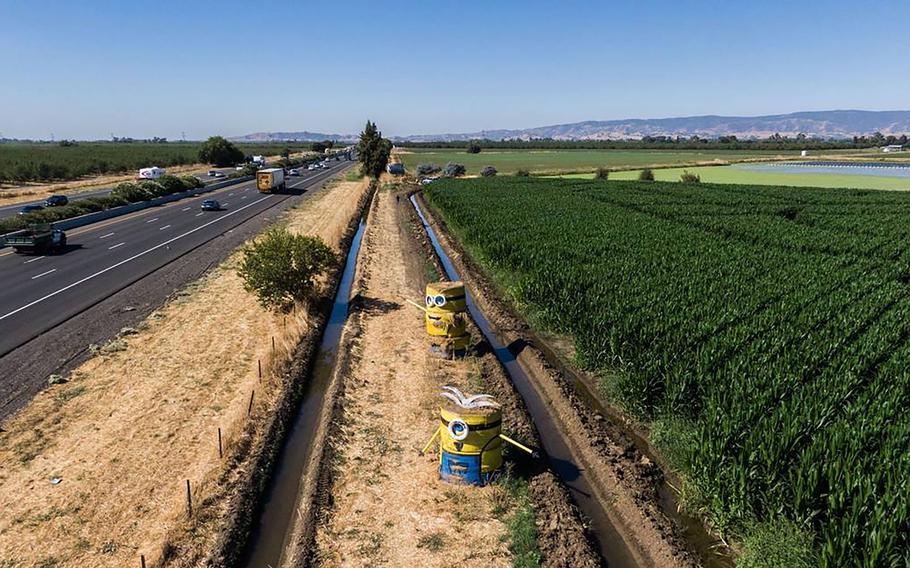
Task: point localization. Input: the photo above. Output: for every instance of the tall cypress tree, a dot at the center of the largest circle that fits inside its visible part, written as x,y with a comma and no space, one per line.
373,151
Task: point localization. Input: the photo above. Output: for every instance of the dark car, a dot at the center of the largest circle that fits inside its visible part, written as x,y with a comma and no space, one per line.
30,209
211,205
213,173
56,201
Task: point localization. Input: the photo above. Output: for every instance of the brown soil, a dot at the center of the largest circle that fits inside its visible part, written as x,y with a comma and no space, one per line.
136,421
382,502
603,447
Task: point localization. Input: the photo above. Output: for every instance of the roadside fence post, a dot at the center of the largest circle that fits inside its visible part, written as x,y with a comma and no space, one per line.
189,500
250,409
220,452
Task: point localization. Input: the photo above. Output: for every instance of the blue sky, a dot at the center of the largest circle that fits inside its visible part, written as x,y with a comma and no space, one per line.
87,69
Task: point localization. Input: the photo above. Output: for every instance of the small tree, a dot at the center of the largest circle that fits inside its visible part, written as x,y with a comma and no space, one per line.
601,173
220,152
453,170
646,175
373,151
488,171
281,267
688,177
474,148
286,153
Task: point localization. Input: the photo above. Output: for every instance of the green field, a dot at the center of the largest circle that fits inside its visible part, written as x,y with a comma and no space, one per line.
733,175
26,162
763,331
556,161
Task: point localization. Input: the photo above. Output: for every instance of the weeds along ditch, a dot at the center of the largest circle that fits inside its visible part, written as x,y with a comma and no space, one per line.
762,331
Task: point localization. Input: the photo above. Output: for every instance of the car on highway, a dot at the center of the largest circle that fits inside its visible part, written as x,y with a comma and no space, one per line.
219,174
311,167
56,201
211,205
294,172
31,209
213,173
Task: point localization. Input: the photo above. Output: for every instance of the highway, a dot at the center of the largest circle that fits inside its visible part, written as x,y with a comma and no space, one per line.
10,210
38,293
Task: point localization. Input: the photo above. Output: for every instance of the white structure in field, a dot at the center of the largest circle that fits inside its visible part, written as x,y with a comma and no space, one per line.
893,148
804,153
153,172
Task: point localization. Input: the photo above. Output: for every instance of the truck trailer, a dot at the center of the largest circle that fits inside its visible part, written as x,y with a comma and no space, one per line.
153,172
37,239
270,180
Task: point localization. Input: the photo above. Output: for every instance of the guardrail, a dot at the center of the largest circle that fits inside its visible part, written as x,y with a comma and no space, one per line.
90,218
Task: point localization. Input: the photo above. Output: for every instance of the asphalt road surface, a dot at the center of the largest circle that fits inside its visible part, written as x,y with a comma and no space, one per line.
37,293
10,210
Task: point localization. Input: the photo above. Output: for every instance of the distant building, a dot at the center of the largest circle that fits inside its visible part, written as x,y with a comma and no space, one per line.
893,148
804,153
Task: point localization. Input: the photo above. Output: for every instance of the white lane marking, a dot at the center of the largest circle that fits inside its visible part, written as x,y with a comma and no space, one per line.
225,204
115,246
33,260
244,196
124,261
152,220
230,194
44,273
164,227
186,209
106,236
200,214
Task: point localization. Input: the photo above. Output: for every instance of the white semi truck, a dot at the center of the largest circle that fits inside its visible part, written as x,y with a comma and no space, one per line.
153,172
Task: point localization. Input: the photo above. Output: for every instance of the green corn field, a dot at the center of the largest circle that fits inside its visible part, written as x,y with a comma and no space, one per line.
773,320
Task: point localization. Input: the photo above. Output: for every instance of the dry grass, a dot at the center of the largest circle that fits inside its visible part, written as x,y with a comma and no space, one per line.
141,417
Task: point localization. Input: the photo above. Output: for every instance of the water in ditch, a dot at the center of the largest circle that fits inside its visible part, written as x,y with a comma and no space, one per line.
612,547
268,538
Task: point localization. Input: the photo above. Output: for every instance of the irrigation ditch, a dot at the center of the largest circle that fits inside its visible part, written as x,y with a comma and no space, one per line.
256,482
613,474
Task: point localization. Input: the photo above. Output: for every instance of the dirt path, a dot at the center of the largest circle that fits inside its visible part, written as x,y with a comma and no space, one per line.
389,508
93,471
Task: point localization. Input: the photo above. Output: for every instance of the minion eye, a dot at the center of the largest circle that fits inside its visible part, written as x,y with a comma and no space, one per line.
440,300
430,301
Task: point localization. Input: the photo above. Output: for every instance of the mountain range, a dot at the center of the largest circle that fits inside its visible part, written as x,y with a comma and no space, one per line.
838,124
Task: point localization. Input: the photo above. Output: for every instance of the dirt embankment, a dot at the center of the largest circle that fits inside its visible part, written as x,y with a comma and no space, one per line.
603,447
94,470
380,501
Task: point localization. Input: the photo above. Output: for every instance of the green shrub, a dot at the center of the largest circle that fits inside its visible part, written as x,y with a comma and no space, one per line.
522,173
131,192
153,188
473,148
280,268
191,182
171,184
488,171
688,177
601,173
646,175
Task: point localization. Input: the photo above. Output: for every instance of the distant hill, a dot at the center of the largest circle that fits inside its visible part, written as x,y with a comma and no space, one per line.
837,124
290,137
